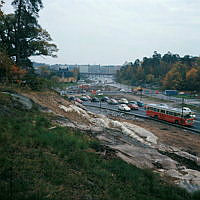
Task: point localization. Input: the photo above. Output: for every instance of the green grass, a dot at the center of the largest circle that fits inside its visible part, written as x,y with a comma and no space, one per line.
54,164
186,96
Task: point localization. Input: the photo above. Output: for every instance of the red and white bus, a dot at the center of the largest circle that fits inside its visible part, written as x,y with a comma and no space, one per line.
174,115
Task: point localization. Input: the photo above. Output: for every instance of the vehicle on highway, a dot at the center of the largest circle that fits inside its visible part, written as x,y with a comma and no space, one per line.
187,109
164,105
105,99
72,98
123,107
112,101
140,103
133,106
123,101
78,100
174,115
89,98
95,99
170,92
84,98
133,102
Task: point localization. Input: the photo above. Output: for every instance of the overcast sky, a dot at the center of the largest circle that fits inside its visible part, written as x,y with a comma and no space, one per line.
115,31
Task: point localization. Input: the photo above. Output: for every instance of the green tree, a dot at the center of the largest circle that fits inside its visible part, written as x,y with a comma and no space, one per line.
21,36
1,5
27,9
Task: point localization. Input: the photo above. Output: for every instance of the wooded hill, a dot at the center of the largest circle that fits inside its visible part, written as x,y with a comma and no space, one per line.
169,71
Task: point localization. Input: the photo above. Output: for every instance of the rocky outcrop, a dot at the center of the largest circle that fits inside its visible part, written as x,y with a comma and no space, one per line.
138,146
131,143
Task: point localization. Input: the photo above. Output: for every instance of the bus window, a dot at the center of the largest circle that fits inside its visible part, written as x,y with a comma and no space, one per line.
162,111
177,114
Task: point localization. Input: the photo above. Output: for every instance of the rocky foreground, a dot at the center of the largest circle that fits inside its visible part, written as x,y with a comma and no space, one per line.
131,142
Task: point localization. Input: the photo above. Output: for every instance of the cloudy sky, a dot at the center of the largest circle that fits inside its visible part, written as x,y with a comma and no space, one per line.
115,31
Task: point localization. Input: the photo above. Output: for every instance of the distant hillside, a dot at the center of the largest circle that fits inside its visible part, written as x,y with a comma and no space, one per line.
35,64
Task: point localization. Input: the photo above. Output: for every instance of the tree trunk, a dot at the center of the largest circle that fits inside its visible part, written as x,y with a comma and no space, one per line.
18,33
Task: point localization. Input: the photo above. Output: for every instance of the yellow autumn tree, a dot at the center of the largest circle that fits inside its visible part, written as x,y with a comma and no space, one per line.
193,79
175,78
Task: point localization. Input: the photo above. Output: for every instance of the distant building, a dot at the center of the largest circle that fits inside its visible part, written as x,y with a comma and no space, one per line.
65,75
83,69
94,69
98,69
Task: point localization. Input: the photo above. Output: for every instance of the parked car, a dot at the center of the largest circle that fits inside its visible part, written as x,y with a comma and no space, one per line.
112,101
140,103
123,101
95,99
133,106
124,107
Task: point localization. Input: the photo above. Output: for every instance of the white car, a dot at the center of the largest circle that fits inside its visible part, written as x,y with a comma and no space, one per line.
187,109
124,107
123,100
112,101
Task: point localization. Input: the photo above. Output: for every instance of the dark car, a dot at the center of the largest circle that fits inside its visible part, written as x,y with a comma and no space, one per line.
95,99
104,99
140,103
133,106
72,98
84,98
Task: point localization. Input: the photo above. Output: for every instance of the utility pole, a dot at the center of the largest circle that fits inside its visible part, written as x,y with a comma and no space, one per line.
182,105
141,94
100,103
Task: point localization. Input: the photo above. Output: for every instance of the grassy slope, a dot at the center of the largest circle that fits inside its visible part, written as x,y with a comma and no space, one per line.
41,163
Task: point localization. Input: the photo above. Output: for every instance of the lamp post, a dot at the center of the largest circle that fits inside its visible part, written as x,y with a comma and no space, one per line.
141,94
182,105
100,103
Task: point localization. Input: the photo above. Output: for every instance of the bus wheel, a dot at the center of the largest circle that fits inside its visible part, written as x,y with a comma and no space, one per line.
176,121
156,116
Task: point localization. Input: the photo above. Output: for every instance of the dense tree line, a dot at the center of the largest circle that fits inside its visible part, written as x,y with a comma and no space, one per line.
22,37
169,71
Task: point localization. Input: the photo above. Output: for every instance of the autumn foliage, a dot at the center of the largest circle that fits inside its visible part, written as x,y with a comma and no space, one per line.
183,77
9,72
169,71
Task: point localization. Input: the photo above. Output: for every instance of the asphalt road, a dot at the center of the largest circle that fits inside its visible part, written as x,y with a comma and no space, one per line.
141,111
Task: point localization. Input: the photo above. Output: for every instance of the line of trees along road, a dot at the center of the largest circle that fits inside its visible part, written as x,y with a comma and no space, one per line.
22,37
169,71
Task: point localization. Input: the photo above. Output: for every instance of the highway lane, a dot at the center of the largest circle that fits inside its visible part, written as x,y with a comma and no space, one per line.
141,111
